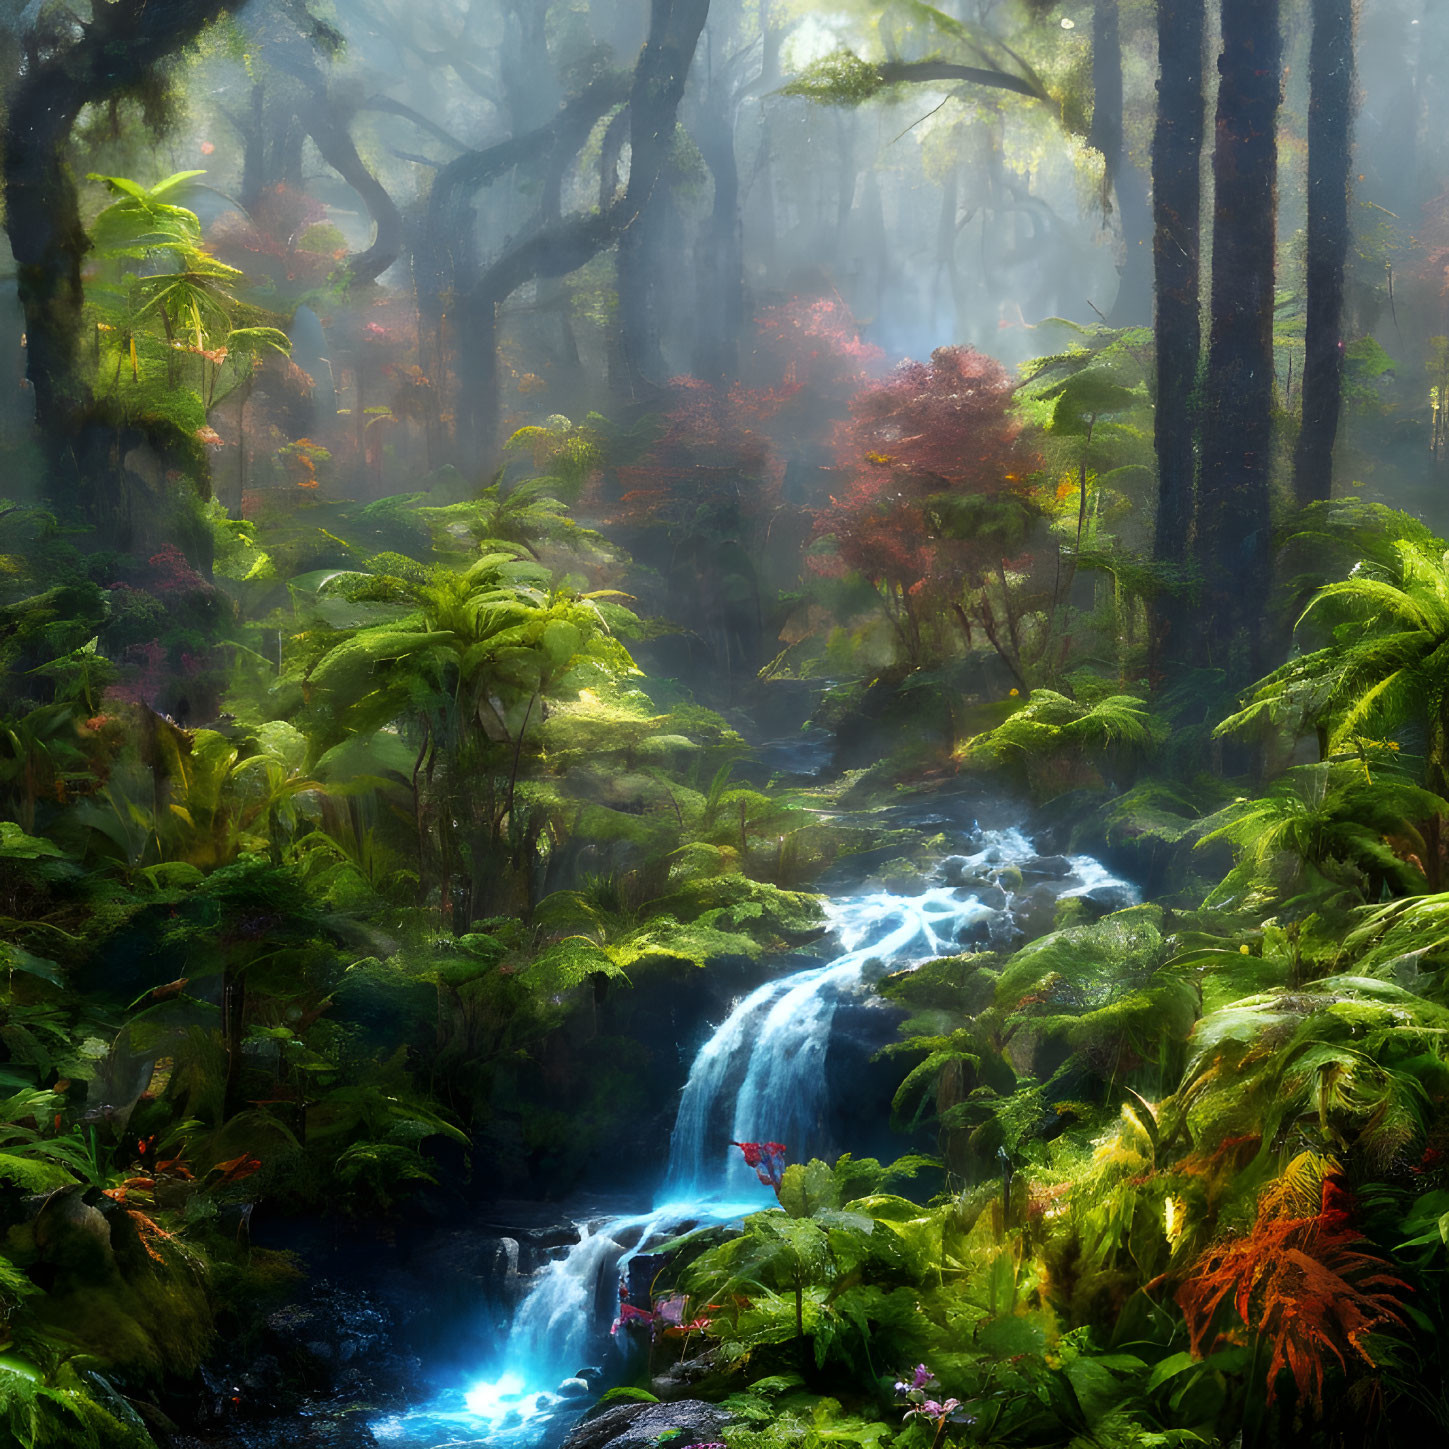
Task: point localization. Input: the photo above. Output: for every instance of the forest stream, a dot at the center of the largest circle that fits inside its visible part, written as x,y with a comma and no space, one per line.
759,1080
724,724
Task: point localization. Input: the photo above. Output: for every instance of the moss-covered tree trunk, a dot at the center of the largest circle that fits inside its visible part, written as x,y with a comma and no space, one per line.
1330,125
1177,207
1234,516
118,54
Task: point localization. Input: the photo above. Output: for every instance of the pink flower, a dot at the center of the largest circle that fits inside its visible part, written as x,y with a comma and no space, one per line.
932,1410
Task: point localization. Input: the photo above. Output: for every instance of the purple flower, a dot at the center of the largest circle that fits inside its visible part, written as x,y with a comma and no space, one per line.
932,1410
921,1379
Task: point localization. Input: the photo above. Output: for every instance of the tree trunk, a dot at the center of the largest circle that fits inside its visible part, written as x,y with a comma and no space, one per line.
1120,178
1177,203
721,262
114,54
1330,123
1133,307
329,127
445,270
1234,516
674,28
564,245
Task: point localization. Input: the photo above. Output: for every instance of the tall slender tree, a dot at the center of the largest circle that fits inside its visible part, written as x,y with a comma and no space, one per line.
1177,214
1330,125
1234,543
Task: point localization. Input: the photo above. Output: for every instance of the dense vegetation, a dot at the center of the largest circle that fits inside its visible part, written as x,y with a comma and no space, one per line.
351,836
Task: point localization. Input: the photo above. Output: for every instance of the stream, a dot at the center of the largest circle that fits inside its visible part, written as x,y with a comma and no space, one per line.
759,1077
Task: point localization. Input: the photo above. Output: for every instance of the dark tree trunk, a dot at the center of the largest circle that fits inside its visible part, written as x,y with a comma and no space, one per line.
1106,132
445,266
674,27
1234,545
1330,124
1176,203
1120,178
114,55
271,142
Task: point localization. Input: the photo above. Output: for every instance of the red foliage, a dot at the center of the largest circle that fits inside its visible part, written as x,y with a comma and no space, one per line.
812,344
171,573
917,446
1302,1282
276,240
713,461
767,1158
720,460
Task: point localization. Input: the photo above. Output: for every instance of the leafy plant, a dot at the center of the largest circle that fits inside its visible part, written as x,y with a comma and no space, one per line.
1301,1283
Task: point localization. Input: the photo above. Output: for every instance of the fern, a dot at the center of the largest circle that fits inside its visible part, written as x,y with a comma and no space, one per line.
1050,723
1300,1281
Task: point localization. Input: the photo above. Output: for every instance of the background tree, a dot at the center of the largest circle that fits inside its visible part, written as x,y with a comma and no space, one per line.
120,55
1234,513
1330,127
1177,207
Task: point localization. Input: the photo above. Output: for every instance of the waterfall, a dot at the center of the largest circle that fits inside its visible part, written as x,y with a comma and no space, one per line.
759,1077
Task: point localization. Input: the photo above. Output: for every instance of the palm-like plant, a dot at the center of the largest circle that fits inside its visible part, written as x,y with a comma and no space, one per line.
463,674
184,289
1387,668
1329,824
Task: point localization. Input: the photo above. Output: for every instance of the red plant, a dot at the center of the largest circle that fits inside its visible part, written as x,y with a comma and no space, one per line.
1301,1282
285,238
935,498
768,1160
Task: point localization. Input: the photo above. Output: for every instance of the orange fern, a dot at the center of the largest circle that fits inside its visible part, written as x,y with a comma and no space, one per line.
1300,1281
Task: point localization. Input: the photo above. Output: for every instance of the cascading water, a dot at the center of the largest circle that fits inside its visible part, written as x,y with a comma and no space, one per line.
759,1077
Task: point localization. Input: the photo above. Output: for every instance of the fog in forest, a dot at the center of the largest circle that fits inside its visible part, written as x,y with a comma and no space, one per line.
724,722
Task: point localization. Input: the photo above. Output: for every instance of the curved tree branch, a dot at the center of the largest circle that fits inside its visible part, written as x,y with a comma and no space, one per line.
328,128
896,72
556,250
390,107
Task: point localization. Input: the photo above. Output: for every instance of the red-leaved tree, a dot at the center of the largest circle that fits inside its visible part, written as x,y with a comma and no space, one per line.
722,500
936,507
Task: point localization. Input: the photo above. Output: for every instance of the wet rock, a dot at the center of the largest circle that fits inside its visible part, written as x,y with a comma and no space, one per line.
590,1374
975,935
1107,898
1046,867
899,876
637,1426
1034,910
574,1388
642,1270
335,1341
959,870
990,896
680,1378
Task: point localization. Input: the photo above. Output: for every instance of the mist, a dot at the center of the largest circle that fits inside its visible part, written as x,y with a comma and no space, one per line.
723,722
